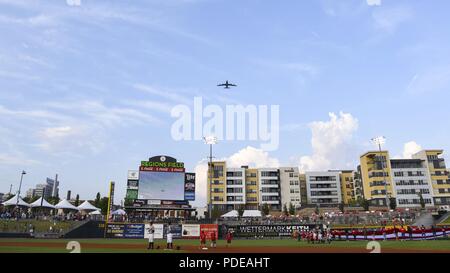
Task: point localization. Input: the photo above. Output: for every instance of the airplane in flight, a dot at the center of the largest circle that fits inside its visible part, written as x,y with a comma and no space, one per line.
227,85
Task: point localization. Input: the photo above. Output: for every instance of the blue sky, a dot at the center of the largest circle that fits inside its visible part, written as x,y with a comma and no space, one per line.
86,91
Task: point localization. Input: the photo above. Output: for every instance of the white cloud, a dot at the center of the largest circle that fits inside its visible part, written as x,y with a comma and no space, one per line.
373,2
252,157
249,156
410,148
69,127
57,132
331,143
201,171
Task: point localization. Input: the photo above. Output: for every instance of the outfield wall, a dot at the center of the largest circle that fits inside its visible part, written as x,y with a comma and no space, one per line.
95,229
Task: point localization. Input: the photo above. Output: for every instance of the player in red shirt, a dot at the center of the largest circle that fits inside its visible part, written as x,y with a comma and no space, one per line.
202,239
229,237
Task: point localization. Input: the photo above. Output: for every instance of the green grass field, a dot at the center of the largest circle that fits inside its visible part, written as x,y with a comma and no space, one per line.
139,246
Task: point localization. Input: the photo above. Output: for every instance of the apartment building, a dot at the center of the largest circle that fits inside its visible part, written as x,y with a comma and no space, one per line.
359,189
323,188
376,177
252,188
290,187
437,174
303,189
269,188
216,185
235,188
406,179
347,184
410,180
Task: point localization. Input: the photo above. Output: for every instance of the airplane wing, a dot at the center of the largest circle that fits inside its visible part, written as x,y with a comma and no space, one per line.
221,84
232,84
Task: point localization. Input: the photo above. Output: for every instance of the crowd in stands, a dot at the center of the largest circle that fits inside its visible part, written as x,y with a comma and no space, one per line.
25,215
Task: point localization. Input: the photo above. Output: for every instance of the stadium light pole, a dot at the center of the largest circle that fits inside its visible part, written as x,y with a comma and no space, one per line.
210,140
18,192
380,141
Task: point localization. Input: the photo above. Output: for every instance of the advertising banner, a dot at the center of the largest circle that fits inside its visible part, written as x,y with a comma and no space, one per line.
154,202
176,231
208,229
160,169
131,194
125,230
190,231
133,175
132,184
133,231
267,230
189,186
159,231
115,230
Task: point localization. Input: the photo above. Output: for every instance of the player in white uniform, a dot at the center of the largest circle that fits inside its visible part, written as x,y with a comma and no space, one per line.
169,238
151,236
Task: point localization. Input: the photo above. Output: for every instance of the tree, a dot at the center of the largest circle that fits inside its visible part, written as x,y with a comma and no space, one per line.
128,202
265,209
392,203
53,200
364,203
341,206
77,200
103,205
421,200
353,203
285,210
291,209
216,212
97,200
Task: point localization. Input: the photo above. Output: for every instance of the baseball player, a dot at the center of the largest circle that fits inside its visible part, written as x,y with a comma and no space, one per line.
202,239
169,238
213,239
151,236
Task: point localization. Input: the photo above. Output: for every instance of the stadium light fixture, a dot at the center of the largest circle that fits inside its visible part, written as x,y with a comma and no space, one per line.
18,192
380,140
210,140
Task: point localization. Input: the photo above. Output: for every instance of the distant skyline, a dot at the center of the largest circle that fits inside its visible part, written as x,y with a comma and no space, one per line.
86,90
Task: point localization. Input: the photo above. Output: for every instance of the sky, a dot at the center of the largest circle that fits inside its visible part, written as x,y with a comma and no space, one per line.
87,86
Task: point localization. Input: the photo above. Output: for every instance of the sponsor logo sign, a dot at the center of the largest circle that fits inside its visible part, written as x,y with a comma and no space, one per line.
133,175
189,186
267,230
208,229
190,231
